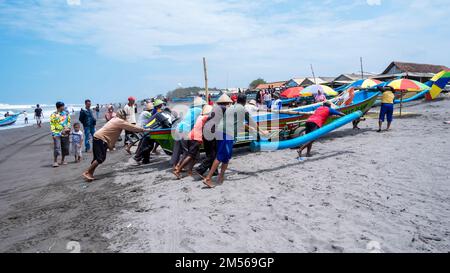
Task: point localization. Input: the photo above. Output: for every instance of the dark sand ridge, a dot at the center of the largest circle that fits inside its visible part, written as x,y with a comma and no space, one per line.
355,190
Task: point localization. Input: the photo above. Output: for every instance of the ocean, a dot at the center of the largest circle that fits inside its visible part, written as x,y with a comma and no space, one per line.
15,108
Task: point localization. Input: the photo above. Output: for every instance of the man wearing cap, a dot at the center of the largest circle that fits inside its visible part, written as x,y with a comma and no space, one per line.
130,110
315,122
387,107
251,107
183,128
60,127
209,137
87,119
146,145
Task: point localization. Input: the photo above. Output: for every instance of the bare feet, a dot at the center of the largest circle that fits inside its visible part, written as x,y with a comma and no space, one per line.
55,165
208,183
220,179
88,177
176,172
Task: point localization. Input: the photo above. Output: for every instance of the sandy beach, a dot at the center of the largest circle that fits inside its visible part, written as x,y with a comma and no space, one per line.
362,191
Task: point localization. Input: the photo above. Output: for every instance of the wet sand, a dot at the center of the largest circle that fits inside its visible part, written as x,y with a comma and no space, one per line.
361,191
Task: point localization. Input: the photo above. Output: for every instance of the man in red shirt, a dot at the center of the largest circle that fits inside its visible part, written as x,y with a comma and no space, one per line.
315,122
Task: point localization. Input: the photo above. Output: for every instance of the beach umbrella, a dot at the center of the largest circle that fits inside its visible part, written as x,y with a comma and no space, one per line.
314,89
368,83
440,80
292,92
408,85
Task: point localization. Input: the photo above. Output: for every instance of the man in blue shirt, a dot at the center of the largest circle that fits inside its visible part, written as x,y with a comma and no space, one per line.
87,119
184,127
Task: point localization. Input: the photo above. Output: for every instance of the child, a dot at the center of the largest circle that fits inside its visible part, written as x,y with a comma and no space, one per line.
193,143
77,138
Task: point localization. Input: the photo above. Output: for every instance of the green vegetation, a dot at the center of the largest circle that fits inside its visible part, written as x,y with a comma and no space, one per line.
186,92
256,82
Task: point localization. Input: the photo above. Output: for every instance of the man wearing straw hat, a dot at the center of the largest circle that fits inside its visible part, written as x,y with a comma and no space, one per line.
183,128
229,128
209,141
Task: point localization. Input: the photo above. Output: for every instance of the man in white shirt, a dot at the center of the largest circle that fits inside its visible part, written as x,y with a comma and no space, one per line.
277,104
130,110
268,100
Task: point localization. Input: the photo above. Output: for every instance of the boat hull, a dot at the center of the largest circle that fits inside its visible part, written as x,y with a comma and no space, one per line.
286,125
8,121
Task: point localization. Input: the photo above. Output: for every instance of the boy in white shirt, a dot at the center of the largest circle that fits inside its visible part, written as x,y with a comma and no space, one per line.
77,138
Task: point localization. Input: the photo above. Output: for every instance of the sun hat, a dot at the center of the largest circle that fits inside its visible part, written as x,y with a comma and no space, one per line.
252,102
157,103
207,109
224,99
199,101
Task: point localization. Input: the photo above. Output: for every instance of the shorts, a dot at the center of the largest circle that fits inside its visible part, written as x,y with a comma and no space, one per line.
61,146
100,148
387,110
38,119
224,150
191,148
76,150
311,127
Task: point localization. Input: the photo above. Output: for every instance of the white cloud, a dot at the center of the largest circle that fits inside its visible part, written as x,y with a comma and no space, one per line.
241,38
73,2
374,2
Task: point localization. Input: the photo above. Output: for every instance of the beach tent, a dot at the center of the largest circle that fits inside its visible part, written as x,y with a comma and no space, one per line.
440,80
408,85
314,89
292,92
368,83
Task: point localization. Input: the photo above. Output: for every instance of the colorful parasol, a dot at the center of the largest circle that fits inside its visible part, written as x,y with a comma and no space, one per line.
366,83
314,89
292,92
440,80
408,85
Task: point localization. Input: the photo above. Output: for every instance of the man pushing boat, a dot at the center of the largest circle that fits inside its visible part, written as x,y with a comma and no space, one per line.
315,122
106,138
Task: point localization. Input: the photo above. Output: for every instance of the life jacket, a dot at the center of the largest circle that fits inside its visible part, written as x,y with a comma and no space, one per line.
320,116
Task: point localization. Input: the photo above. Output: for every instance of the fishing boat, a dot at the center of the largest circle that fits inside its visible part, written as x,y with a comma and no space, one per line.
10,120
284,125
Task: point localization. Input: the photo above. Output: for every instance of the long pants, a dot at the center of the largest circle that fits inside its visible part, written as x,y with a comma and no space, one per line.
144,149
88,132
61,146
177,152
210,152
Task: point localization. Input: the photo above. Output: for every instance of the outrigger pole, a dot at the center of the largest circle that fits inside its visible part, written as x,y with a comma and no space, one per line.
206,80
362,69
314,76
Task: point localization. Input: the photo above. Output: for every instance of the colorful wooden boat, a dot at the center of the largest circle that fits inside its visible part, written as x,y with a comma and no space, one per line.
283,126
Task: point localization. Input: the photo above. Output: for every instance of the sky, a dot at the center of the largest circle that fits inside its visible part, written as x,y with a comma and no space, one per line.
107,50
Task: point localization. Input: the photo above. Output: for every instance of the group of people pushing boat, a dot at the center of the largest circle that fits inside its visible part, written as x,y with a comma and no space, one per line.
214,127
